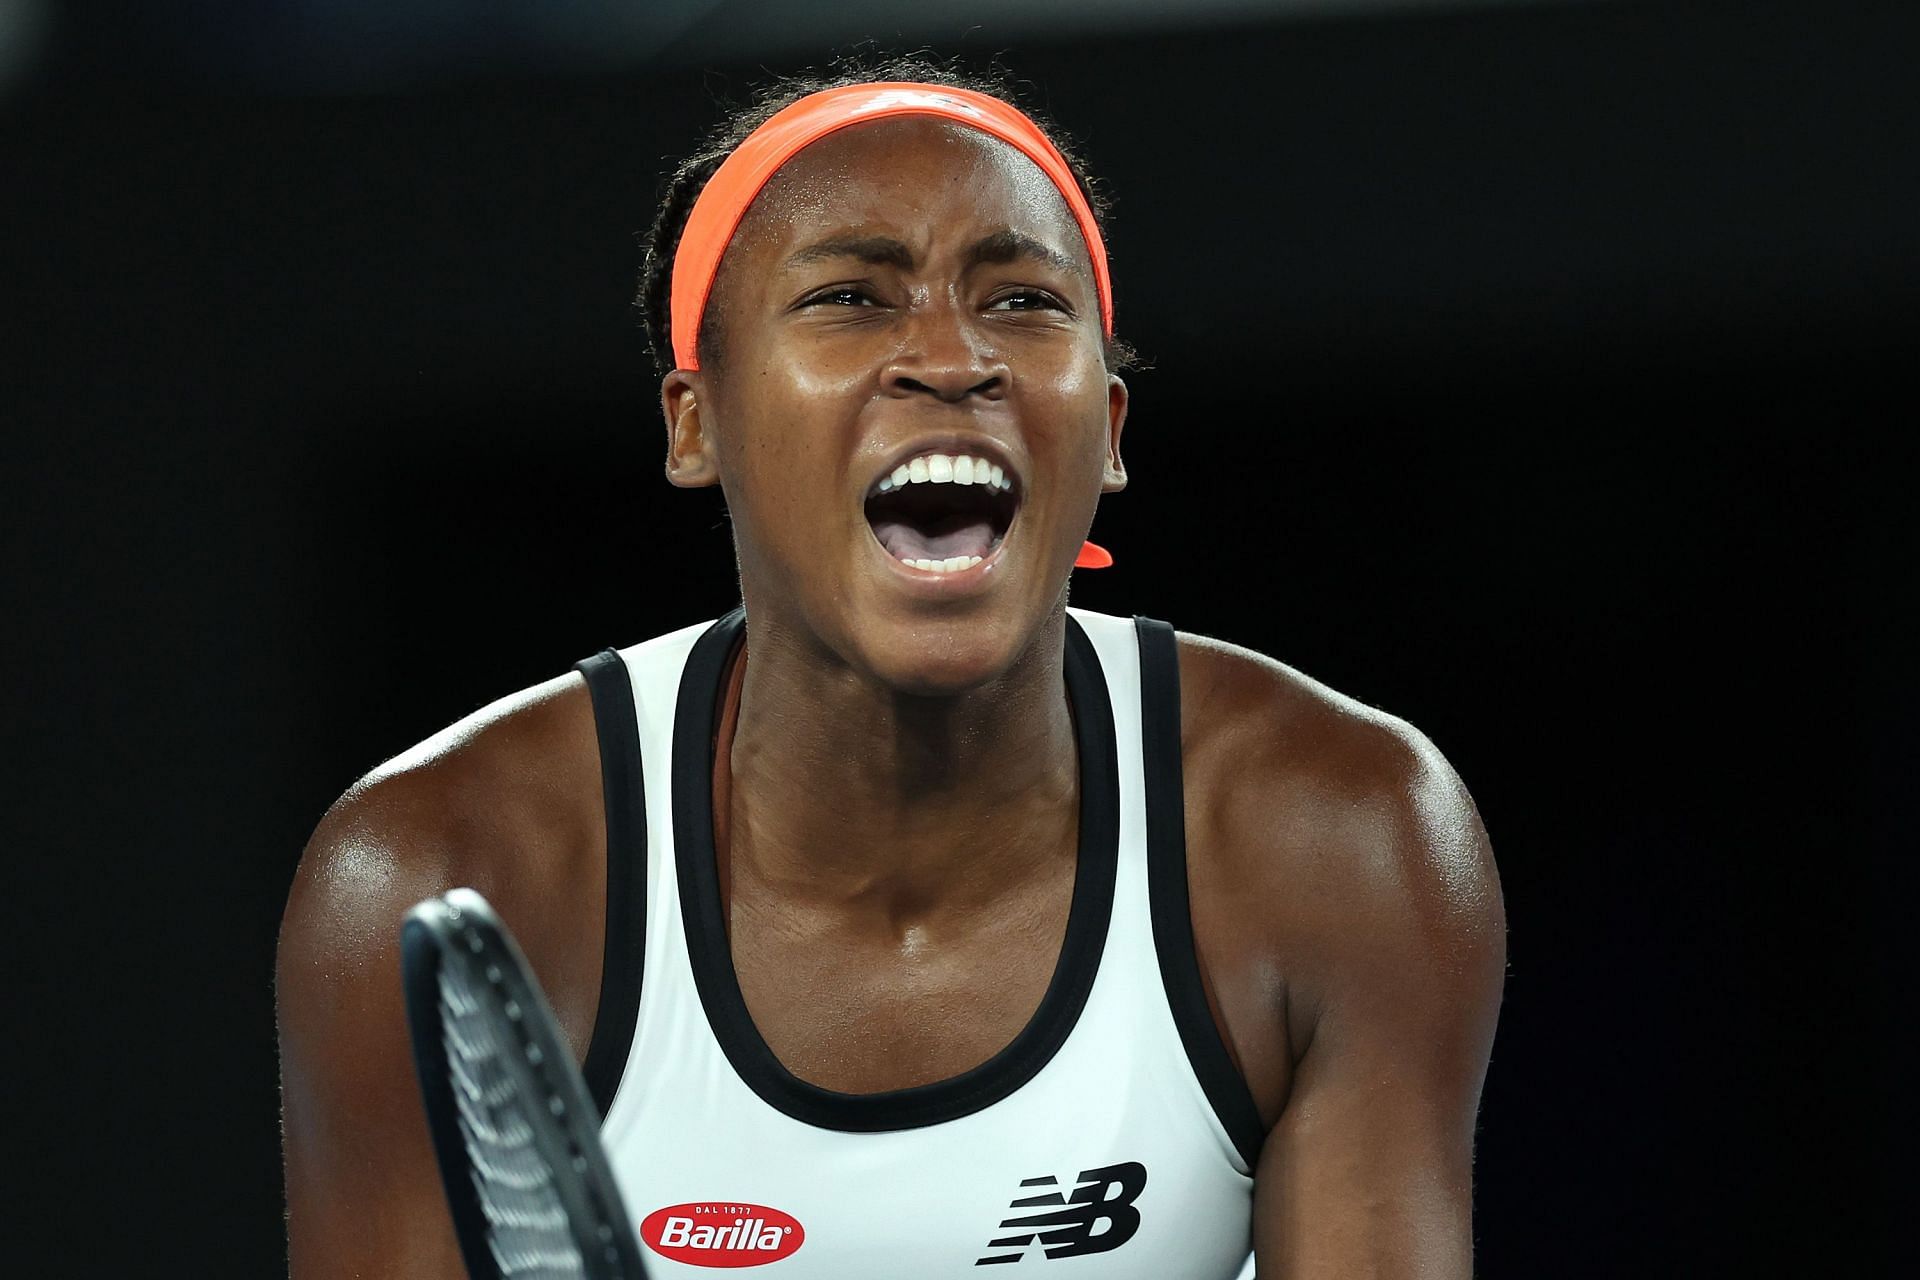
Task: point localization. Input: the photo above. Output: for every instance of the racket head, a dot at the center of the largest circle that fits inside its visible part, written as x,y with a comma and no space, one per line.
515,1131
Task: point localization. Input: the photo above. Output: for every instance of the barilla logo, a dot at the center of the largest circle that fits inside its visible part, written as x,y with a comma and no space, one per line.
715,1234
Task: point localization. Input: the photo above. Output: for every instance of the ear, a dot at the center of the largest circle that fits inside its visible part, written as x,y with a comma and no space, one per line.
691,460
1115,478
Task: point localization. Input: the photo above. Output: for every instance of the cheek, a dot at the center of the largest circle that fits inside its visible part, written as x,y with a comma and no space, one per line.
1077,394
814,377
1083,379
784,461
789,403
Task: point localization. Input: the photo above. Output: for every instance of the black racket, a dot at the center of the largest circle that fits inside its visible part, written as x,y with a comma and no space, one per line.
516,1133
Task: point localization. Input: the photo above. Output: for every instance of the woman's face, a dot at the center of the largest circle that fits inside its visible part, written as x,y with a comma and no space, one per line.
905,290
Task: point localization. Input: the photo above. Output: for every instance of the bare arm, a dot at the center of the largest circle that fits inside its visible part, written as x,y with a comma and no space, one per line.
363,1191
506,801
1368,1172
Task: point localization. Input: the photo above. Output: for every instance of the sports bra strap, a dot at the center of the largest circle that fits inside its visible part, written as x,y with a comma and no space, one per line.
626,807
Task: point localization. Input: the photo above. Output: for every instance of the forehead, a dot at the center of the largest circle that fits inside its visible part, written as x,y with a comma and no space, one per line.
914,176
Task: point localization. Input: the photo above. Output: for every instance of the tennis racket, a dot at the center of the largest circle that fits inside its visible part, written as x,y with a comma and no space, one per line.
516,1133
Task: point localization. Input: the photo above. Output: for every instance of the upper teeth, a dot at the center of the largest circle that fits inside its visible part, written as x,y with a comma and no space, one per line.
943,468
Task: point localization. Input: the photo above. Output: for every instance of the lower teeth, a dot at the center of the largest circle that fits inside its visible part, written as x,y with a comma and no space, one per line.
952,564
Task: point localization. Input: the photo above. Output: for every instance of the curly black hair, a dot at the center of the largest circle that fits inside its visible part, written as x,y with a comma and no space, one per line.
692,174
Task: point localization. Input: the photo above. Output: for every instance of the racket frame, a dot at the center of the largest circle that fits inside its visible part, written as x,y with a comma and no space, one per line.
462,928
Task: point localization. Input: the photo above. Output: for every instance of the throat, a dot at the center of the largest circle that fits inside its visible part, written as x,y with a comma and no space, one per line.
818,818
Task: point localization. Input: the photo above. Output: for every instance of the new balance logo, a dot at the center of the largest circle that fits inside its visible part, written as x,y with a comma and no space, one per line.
1097,1217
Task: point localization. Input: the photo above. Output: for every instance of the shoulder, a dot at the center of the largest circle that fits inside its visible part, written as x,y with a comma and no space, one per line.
1335,833
1266,736
506,801
463,800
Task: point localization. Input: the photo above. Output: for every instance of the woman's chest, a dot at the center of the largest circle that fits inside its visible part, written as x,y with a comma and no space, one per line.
858,1004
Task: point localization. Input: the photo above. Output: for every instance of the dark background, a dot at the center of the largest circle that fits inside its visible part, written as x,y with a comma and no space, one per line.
1531,371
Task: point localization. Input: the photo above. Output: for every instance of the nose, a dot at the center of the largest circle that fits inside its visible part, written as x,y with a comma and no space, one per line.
944,357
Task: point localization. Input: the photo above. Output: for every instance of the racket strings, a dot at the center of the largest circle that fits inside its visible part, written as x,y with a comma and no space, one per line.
528,1230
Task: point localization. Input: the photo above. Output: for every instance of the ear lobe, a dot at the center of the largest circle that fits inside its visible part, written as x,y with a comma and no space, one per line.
690,457
1114,478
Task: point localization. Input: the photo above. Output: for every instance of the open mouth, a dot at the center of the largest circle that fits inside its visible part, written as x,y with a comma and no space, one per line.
943,513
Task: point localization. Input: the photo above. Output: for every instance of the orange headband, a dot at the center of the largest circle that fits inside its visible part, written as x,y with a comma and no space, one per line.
723,201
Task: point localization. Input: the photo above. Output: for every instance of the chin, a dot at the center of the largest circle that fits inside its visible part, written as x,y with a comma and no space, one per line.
940,657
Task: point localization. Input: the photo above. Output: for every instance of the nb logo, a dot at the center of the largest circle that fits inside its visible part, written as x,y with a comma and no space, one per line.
1098,1216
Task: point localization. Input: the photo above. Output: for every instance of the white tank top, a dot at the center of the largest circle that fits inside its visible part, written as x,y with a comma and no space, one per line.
1113,1137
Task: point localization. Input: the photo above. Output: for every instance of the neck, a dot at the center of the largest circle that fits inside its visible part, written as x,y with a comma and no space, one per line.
844,792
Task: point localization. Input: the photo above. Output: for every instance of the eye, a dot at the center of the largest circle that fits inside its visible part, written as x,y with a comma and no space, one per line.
840,295
1028,300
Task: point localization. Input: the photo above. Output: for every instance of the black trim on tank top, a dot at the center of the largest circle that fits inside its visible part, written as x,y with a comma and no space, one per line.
712,959
611,687
1171,909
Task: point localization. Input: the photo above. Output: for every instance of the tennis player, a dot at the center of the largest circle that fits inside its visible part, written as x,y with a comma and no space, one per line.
905,920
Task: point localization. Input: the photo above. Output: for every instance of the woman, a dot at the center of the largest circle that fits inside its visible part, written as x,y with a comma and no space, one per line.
929,921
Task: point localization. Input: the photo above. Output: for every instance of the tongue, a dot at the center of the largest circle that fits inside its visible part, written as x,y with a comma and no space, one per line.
908,542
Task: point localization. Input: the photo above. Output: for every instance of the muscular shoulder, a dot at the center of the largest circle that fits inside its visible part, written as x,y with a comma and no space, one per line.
1333,837
474,800
507,801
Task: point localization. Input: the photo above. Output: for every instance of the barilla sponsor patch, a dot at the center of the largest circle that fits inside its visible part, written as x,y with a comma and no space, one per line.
714,1233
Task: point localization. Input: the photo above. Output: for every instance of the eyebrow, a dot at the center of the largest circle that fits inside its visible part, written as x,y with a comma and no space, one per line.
1008,245
880,251
1005,245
